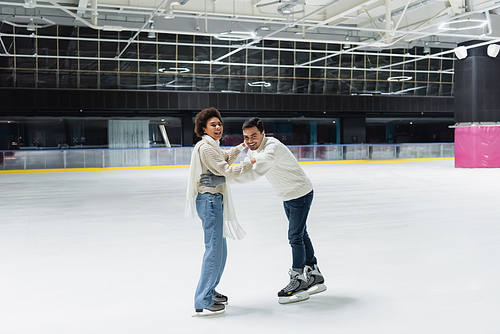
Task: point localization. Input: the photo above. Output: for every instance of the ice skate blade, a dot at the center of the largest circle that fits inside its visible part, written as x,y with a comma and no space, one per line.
298,297
316,289
207,313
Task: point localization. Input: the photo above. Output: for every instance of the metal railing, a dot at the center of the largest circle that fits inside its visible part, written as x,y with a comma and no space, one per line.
105,158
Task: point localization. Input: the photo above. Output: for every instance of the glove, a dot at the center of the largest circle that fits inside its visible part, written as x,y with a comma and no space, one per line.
209,179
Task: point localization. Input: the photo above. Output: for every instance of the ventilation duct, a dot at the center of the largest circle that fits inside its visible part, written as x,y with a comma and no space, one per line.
170,10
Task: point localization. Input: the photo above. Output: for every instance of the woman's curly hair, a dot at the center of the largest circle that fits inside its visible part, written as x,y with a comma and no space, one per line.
201,119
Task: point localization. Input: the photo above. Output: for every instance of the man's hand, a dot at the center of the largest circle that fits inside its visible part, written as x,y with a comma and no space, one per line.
211,180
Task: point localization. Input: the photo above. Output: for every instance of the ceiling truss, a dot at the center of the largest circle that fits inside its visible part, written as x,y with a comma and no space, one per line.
361,27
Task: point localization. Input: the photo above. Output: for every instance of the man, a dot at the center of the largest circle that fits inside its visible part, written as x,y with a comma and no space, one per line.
282,170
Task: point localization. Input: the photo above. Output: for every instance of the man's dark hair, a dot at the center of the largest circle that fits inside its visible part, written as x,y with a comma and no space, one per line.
201,119
254,121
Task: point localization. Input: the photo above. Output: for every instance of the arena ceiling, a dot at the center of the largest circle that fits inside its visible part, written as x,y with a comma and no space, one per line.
361,24
432,29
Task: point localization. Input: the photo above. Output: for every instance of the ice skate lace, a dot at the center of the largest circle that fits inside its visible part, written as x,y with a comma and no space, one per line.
292,285
294,282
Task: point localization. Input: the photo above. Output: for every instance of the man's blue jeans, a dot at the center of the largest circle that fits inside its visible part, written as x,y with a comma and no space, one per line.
296,211
209,207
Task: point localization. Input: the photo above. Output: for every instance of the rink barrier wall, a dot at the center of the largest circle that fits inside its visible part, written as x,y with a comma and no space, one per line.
65,160
187,166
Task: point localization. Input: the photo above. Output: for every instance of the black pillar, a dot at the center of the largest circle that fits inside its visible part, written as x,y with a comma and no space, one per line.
187,129
477,88
353,130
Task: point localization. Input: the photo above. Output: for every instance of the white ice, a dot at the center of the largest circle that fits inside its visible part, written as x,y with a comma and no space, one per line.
405,248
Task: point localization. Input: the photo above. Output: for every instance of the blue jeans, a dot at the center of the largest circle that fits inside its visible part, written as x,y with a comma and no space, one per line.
209,207
296,211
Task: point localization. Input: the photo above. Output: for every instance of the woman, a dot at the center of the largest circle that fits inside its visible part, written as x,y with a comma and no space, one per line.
213,206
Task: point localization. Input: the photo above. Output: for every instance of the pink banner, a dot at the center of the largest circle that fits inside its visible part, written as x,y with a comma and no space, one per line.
477,147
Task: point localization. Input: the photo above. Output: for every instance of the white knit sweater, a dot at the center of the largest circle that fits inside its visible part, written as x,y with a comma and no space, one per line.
221,165
281,168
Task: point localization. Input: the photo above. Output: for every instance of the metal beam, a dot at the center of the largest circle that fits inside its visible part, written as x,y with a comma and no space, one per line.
350,7
82,6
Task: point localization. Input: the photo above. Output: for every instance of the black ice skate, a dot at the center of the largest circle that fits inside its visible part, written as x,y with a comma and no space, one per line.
220,298
296,290
215,309
315,280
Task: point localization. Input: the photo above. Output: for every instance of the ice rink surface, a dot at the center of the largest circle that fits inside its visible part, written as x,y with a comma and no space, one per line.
405,248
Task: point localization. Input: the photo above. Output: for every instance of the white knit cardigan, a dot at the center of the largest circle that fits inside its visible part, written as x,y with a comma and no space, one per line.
232,229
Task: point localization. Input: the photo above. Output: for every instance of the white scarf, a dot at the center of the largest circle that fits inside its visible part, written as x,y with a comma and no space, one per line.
232,229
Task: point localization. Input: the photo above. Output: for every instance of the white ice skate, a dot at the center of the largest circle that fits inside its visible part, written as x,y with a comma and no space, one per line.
295,291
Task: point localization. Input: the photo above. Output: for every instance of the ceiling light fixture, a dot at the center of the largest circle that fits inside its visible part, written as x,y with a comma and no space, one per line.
493,50
346,45
427,49
287,8
151,34
261,28
235,35
400,78
243,33
463,24
460,52
259,84
231,38
174,70
29,3
31,25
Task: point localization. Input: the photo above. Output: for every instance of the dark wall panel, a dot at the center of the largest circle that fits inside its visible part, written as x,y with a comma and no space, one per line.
110,102
163,101
232,101
320,102
250,101
152,100
286,103
41,99
47,102
213,101
132,100
242,102
202,102
121,99
87,100
142,100
222,102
